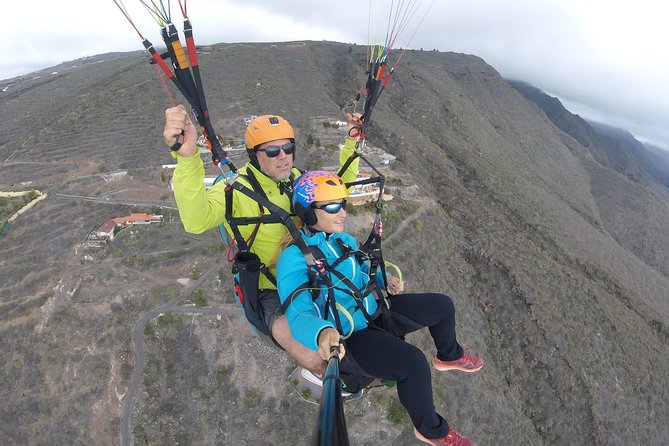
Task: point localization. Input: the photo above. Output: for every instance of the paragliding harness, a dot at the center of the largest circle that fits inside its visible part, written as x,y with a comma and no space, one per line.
186,78
370,251
185,75
320,277
246,265
377,78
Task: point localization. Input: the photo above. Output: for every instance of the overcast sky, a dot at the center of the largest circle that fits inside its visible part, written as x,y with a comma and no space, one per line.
605,60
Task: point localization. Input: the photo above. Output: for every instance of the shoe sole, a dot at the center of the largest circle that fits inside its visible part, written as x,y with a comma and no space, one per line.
314,380
311,378
420,436
459,369
428,441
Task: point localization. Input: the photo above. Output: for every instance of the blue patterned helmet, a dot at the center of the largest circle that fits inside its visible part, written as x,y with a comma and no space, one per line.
316,185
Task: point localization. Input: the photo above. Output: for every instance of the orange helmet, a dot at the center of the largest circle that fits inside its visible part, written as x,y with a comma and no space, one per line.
316,185
267,128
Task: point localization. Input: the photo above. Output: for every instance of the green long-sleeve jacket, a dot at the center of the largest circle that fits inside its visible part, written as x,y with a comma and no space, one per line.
202,209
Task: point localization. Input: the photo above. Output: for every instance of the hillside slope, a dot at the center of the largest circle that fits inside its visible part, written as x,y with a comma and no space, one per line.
554,251
634,203
653,159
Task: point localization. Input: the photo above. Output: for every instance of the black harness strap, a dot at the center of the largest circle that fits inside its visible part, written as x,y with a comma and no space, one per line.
319,274
255,186
258,195
372,246
276,215
357,294
365,254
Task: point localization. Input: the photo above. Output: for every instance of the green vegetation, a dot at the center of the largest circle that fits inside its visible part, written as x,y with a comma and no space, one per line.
126,371
167,319
200,300
397,414
152,371
252,398
148,330
115,251
395,212
9,205
135,261
223,376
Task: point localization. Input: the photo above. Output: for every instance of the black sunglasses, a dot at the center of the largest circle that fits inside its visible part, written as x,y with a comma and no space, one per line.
273,151
331,208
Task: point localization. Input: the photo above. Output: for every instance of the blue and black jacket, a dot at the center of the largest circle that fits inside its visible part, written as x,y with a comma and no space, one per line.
307,310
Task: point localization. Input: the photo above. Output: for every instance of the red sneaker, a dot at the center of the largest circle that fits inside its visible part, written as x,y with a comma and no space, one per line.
467,363
452,438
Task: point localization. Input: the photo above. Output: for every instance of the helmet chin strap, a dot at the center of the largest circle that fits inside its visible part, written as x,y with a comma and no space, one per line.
253,159
309,230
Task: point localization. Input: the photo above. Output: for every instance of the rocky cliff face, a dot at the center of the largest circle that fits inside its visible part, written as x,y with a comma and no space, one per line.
553,246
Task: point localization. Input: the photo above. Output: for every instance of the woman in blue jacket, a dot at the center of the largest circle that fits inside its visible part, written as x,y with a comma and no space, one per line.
338,308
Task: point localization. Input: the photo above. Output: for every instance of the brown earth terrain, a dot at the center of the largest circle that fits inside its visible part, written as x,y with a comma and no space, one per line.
552,242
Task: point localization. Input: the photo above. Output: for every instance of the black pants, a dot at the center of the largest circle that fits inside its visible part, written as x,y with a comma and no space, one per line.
384,356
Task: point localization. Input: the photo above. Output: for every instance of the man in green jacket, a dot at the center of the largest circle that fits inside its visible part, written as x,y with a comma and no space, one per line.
270,144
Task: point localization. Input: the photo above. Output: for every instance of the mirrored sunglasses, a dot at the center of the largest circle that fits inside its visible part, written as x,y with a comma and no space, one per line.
273,151
331,208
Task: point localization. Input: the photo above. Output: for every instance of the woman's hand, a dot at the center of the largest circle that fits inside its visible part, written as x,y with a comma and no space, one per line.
395,286
327,339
